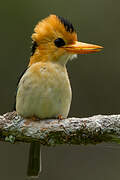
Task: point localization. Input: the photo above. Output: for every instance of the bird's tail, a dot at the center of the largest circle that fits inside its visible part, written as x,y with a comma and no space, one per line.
34,163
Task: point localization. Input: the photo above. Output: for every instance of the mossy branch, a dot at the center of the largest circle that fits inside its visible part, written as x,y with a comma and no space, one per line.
90,130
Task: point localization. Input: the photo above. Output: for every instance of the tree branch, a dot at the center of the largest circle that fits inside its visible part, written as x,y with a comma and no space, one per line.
91,130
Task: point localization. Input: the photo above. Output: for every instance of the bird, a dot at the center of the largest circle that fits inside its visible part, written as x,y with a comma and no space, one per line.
44,89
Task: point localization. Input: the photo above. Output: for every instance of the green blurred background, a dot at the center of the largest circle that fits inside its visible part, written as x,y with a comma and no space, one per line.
94,79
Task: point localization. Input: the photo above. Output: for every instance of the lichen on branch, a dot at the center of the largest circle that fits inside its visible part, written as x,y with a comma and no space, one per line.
90,130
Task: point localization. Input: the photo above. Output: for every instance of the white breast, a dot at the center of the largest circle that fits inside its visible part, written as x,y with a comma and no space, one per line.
44,91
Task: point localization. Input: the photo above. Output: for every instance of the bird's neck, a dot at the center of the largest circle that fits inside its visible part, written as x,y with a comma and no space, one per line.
49,58
36,58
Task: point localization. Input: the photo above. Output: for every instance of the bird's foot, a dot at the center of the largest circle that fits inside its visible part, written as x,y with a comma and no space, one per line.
34,118
60,117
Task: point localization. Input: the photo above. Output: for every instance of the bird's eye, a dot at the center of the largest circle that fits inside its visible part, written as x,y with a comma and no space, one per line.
59,42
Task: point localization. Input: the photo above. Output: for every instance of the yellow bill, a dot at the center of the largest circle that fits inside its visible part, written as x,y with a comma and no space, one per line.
82,48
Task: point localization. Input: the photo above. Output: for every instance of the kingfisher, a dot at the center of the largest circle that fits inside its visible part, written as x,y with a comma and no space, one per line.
44,89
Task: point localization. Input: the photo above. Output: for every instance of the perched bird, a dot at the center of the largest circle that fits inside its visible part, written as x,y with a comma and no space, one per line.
44,90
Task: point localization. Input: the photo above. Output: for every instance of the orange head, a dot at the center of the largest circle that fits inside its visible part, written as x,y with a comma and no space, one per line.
54,39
